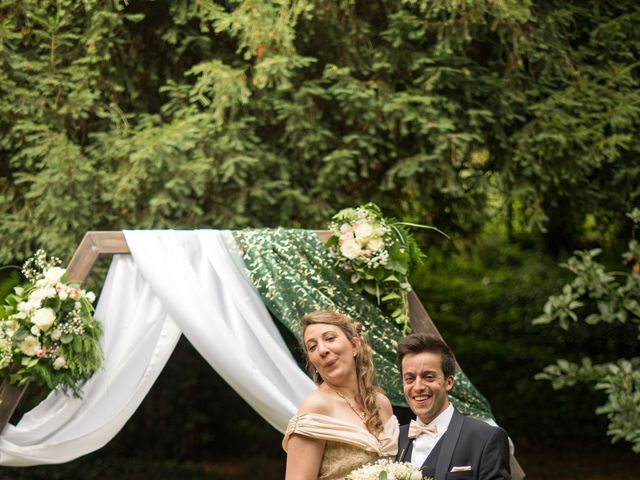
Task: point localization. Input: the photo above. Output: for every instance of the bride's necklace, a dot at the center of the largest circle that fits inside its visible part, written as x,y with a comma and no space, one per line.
361,415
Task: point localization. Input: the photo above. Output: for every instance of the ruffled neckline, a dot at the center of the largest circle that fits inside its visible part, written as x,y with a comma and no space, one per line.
324,427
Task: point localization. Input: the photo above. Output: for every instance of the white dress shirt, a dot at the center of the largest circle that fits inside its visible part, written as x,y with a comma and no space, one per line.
424,443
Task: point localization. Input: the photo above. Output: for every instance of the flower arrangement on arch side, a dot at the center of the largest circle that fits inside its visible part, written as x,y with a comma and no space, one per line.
48,334
385,469
379,254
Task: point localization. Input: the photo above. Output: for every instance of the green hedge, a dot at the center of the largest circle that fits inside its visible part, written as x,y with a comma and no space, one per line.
483,302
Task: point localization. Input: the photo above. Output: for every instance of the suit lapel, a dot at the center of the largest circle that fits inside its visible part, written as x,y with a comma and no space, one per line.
405,445
449,441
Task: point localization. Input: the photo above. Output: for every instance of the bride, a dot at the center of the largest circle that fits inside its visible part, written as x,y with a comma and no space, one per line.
346,421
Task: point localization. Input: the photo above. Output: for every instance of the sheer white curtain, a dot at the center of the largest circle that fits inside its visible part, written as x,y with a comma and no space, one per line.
174,282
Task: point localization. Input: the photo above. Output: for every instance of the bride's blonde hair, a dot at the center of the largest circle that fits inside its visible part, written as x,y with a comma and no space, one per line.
365,372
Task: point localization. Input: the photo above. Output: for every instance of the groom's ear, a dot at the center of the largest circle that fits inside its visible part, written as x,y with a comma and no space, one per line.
449,382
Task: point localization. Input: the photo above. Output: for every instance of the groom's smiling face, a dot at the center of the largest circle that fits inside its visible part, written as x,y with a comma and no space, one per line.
425,386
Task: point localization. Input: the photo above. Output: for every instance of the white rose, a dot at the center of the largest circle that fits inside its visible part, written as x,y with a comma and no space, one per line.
345,228
63,295
44,318
24,306
40,294
345,237
33,304
55,335
363,230
30,345
35,330
37,296
375,244
59,362
350,249
379,231
91,297
54,274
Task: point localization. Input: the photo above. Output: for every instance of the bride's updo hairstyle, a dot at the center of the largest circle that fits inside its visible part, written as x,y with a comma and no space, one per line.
365,372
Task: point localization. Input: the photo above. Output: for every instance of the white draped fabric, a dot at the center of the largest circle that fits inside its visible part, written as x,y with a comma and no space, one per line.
174,282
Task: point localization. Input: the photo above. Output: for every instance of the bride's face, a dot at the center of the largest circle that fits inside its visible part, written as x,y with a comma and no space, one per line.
330,351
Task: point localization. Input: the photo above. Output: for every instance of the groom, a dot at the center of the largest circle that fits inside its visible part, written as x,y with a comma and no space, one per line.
442,442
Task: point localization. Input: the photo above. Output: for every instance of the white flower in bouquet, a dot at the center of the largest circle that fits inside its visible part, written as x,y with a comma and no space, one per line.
55,335
350,249
59,363
346,237
63,294
40,294
375,244
53,275
6,350
363,230
30,345
44,318
9,327
91,297
346,228
25,307
388,469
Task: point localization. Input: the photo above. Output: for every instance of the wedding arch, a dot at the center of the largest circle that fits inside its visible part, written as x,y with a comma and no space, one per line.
220,289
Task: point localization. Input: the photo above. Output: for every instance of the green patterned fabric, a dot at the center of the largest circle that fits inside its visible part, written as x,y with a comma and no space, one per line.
293,272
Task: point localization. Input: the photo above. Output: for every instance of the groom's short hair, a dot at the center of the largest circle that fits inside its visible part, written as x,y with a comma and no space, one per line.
422,342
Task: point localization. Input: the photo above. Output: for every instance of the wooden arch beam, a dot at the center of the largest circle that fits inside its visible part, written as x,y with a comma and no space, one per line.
98,243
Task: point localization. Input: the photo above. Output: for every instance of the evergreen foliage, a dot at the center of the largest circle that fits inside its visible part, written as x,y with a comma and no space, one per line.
454,113
611,301
258,113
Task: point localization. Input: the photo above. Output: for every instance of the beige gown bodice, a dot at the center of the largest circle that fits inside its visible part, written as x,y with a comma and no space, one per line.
347,446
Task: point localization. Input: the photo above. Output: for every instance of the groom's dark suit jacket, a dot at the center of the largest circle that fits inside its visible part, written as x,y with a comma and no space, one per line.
474,449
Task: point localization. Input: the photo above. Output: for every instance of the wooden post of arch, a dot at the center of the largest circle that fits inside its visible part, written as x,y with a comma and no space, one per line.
96,243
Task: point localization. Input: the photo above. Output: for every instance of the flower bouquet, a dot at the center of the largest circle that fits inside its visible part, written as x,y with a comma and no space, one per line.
379,255
48,334
386,470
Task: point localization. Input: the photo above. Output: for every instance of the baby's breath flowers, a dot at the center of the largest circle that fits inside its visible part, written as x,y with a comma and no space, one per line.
387,469
378,254
48,334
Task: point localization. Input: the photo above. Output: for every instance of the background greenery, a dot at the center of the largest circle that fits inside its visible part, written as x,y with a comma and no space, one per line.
512,126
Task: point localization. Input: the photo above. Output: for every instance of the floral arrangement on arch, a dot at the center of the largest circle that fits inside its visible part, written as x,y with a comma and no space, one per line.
385,469
48,334
378,254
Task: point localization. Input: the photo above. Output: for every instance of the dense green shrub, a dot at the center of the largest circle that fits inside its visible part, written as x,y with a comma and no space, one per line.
483,302
597,296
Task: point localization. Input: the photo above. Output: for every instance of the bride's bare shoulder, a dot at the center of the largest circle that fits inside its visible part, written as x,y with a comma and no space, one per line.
316,402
